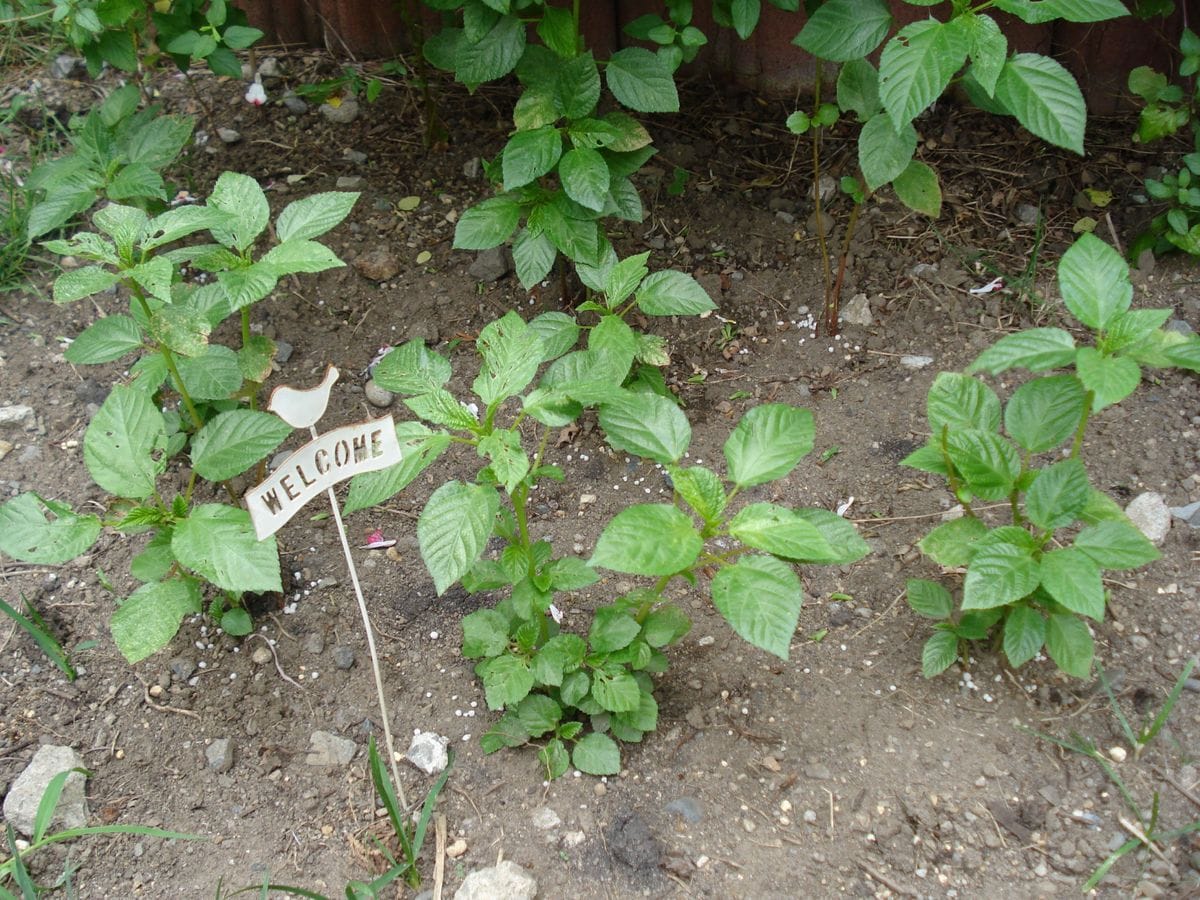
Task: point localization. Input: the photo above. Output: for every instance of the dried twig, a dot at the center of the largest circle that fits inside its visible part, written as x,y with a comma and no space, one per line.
278,668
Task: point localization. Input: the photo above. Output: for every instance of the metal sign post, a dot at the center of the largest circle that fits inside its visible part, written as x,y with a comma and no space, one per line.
317,466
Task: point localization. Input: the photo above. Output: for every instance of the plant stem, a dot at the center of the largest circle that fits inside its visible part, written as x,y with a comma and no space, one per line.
1088,399
951,478
833,300
826,267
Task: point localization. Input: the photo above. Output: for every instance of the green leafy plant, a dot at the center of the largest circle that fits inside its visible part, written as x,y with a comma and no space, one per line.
577,694
32,623
139,430
567,166
118,152
1144,829
128,35
1034,579
916,66
1169,108
14,870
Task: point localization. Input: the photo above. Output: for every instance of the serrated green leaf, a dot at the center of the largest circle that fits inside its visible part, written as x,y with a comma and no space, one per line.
533,257
664,626
233,441
585,177
858,88
529,155
1110,378
988,464
1045,412
918,189
1044,98
767,443
28,535
453,529
615,689
939,653
75,284
1073,579
149,618
506,681
1024,635
701,489
512,352
647,539
612,628
952,543
508,732
214,374
998,575
1115,545
779,531
844,542
672,293
487,224
577,86
929,599
917,64
558,658
884,151
961,402
121,441
180,328
539,714
1058,495
641,81
843,30
624,278
760,598
1094,281
493,56
646,425
218,543
314,215
596,754
412,368
1070,645
440,408
507,458
988,50
297,255
106,339
241,197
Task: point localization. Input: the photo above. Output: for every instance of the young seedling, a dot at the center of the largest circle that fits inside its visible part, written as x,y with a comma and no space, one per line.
35,626
1038,576
1143,828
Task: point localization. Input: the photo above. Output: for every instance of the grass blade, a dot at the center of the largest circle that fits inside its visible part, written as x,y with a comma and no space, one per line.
1102,869
1148,734
49,802
36,628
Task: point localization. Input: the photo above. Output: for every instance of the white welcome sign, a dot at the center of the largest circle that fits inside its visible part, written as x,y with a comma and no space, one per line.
319,465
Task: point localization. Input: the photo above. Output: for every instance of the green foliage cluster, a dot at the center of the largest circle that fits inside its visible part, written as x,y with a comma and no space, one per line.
916,66
130,34
1036,578
572,693
117,152
136,434
1168,110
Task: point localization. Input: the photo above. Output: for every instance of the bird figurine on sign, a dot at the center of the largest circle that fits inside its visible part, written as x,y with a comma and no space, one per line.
302,408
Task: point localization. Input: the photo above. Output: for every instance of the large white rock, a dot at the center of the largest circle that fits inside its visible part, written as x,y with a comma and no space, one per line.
428,752
21,804
506,881
1150,513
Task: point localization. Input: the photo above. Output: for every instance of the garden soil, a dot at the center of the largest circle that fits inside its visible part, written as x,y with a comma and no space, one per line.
840,771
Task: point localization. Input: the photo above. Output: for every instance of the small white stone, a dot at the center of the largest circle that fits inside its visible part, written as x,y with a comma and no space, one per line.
1117,753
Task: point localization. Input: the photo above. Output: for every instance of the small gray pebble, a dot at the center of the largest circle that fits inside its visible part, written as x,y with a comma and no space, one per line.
283,351
294,104
182,667
229,135
357,157
314,643
378,396
343,657
350,182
